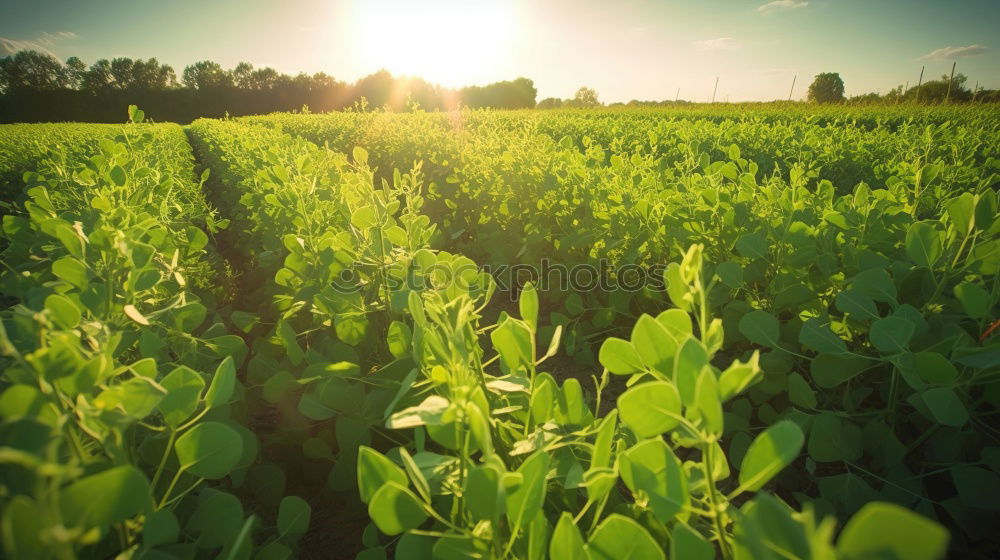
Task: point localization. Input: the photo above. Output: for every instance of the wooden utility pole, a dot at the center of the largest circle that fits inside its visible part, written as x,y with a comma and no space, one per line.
975,91
920,83
947,97
793,87
678,96
716,88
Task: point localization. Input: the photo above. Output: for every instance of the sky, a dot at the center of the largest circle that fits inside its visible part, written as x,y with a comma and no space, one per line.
625,49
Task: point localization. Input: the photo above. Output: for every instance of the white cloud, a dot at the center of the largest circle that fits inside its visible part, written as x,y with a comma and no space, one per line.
951,53
43,43
779,5
718,44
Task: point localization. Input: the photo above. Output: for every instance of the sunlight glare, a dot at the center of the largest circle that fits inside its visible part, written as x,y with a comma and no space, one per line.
449,42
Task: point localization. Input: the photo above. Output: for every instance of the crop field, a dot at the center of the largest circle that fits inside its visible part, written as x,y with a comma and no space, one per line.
716,331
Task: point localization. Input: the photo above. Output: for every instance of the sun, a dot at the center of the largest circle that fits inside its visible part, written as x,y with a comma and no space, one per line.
453,43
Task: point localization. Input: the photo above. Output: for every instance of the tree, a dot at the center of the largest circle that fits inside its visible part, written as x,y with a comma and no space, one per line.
121,73
206,75
151,75
98,77
511,94
75,72
241,75
585,97
549,103
32,71
936,91
827,87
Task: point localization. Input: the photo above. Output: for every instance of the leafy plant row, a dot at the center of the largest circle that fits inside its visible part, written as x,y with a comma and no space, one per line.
869,301
498,422
119,393
23,146
337,260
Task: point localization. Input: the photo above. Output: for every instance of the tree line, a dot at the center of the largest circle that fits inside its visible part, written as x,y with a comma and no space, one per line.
37,87
828,87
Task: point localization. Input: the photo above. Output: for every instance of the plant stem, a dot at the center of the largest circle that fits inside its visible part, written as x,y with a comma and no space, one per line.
713,496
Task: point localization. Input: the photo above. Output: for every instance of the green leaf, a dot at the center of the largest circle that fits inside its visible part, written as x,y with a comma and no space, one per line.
217,520
677,289
883,530
876,284
106,498
566,539
374,471
223,383
891,335
767,524
184,387
677,323
730,274
274,550
21,528
71,270
651,469
118,176
456,547
771,451
688,544
395,509
574,304
137,397
416,474
512,339
360,155
708,402
961,210
621,538
923,243
738,376
136,114
935,368
752,246
293,518
427,412
830,370
209,450
483,493
833,439
528,306
800,393
692,357
601,456
760,327
977,487
650,409
415,547
398,337
945,406
160,528
975,300
816,334
64,312
619,356
654,345
289,340
525,501
858,305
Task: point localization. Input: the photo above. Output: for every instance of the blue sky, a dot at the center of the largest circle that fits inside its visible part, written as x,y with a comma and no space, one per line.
629,49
